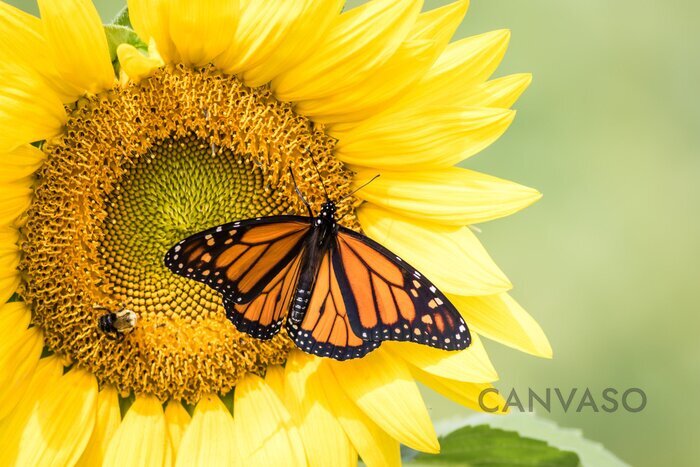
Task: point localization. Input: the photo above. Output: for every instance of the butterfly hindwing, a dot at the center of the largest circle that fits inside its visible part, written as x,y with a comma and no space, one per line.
242,258
262,317
325,329
395,301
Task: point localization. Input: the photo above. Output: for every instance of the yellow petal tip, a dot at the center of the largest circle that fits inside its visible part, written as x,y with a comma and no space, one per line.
501,34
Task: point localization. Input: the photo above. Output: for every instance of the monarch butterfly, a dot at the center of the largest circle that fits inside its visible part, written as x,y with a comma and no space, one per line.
342,292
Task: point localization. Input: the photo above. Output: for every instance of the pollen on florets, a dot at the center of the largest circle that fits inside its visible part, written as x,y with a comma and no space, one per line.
136,170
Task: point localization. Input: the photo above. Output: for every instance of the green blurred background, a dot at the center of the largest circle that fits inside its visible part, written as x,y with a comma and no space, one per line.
607,261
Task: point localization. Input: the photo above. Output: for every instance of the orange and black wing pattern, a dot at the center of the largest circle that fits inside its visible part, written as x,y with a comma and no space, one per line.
325,329
262,318
241,259
393,300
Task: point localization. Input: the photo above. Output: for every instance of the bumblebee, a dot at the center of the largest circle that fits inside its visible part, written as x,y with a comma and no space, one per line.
116,325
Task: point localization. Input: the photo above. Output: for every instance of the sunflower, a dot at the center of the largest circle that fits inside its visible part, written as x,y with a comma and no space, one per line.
110,155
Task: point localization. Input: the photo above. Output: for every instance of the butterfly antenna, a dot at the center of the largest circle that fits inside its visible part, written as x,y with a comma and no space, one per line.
364,185
296,188
323,185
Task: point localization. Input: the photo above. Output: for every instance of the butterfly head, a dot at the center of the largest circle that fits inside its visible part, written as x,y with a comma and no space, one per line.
328,210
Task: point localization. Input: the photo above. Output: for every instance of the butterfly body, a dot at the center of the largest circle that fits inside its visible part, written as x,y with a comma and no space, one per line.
323,228
341,293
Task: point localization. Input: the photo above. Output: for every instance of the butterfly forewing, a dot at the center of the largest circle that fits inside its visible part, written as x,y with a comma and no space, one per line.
394,301
242,258
325,329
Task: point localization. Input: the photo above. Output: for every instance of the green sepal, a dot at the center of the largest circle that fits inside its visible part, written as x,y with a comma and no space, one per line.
117,35
122,18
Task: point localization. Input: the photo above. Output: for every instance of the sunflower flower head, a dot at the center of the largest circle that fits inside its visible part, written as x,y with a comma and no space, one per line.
113,152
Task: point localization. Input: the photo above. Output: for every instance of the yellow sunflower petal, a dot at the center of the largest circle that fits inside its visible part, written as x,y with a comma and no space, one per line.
17,371
20,350
362,101
177,420
374,445
382,387
470,365
78,44
362,38
451,257
9,260
14,316
17,25
209,438
151,20
23,44
106,424
20,163
264,27
428,37
61,423
9,283
12,427
14,201
203,29
421,137
29,110
450,196
261,422
136,65
325,442
274,377
464,64
476,396
142,437
501,92
440,23
501,318
9,237
283,38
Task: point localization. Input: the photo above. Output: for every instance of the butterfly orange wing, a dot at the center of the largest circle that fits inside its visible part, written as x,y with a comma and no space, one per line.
393,300
254,263
242,258
262,317
325,329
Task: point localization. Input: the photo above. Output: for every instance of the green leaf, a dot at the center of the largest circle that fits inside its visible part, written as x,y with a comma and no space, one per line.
482,445
122,18
532,426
